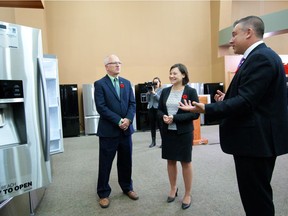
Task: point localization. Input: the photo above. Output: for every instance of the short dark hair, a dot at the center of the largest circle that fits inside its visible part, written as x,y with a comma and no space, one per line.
256,23
182,68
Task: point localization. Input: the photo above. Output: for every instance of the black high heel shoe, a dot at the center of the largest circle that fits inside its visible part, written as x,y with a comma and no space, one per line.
186,205
171,199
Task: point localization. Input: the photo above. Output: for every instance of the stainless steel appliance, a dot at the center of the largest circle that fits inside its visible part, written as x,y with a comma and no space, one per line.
91,116
25,118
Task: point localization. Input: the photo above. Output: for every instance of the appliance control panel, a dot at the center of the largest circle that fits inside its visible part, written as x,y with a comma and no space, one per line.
11,89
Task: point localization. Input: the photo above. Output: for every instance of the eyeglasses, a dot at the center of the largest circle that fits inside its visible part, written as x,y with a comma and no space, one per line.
114,63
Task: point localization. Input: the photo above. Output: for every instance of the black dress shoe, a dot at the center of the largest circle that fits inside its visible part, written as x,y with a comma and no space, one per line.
186,205
171,199
152,145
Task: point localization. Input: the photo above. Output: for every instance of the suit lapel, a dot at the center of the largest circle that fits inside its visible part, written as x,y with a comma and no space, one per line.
234,83
122,87
185,92
165,96
111,86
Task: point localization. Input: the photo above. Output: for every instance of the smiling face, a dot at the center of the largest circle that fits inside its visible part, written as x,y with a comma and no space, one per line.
176,77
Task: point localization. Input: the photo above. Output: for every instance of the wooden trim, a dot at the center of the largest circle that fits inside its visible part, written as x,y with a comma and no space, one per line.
197,124
37,4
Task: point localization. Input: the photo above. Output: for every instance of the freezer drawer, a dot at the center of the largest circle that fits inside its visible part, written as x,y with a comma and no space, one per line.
71,126
91,124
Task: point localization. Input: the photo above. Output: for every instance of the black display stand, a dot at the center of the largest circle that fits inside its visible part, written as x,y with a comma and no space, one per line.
211,89
70,110
142,118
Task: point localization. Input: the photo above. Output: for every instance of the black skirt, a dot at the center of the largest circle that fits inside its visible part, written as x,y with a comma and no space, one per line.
177,147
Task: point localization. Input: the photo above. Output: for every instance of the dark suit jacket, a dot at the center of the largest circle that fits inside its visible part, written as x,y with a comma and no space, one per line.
183,119
111,108
254,111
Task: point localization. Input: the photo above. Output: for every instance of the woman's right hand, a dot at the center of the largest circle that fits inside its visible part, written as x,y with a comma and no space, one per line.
168,119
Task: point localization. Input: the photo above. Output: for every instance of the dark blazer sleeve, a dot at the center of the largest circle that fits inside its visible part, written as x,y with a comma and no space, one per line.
128,104
254,112
103,99
162,109
249,87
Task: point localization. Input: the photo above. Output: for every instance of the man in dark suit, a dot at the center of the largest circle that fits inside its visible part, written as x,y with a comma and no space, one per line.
254,117
116,105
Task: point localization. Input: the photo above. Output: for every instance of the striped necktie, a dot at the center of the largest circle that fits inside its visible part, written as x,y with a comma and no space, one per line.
240,63
116,86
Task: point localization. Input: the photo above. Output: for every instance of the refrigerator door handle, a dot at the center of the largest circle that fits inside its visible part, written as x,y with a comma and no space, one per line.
94,106
46,123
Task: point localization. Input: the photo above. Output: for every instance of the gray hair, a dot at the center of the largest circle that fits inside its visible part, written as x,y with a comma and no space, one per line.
107,58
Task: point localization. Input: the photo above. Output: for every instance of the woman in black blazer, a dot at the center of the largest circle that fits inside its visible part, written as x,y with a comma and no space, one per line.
177,131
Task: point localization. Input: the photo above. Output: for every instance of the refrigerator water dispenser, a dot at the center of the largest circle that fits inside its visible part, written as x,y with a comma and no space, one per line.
12,113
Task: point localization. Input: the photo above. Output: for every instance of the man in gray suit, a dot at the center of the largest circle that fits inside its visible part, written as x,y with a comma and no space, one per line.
254,116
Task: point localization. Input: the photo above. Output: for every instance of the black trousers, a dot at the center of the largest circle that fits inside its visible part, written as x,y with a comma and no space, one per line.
254,177
154,122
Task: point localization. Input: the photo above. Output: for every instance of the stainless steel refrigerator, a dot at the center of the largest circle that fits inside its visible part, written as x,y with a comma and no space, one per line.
27,126
91,116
